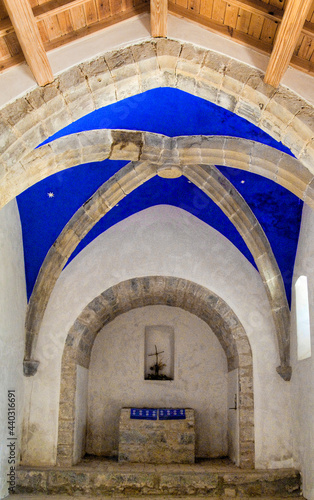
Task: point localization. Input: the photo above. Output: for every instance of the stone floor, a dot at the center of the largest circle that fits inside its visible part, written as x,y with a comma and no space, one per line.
107,478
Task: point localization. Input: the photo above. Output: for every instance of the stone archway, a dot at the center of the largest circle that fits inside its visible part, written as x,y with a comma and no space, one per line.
32,119
156,290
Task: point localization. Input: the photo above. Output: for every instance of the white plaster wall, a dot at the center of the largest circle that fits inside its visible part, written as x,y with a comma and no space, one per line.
302,382
12,315
167,241
80,412
116,378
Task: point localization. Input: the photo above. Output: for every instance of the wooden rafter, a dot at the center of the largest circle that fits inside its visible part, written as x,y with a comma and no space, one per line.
54,7
288,34
26,29
158,17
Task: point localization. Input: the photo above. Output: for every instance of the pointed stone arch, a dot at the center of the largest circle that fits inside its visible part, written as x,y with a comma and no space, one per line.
156,290
129,71
160,150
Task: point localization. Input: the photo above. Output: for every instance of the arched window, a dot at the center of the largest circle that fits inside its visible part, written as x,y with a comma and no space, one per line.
303,318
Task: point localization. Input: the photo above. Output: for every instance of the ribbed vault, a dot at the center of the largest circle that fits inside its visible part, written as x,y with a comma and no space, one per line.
211,182
156,290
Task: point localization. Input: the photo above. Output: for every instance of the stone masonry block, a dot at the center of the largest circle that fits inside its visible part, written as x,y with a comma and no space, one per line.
236,75
276,293
185,83
70,79
206,91
192,53
226,100
96,207
256,89
303,123
103,92
307,156
63,145
66,242
117,59
126,145
236,145
190,61
249,111
81,223
81,103
145,170
89,138
30,481
168,52
145,56
128,87
15,154
189,148
294,141
8,135
124,300
14,112
279,112
284,104
57,119
89,317
154,147
216,62
309,194
212,147
294,171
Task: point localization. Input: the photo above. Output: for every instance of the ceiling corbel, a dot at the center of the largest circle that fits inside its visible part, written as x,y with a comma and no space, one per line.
24,23
287,37
158,17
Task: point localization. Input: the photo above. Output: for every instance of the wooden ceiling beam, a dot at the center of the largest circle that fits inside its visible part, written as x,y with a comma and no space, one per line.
26,29
158,17
287,37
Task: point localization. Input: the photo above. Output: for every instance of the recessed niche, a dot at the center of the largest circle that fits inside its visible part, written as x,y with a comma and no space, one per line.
159,352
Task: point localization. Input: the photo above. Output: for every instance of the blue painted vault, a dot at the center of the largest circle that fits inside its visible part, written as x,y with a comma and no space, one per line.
46,207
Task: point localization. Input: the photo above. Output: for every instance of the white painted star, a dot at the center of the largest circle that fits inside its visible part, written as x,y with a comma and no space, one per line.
50,194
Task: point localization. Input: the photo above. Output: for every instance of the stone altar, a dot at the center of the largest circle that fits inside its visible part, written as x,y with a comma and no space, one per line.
158,438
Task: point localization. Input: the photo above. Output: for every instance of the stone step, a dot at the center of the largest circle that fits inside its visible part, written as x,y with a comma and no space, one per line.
142,497
208,478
